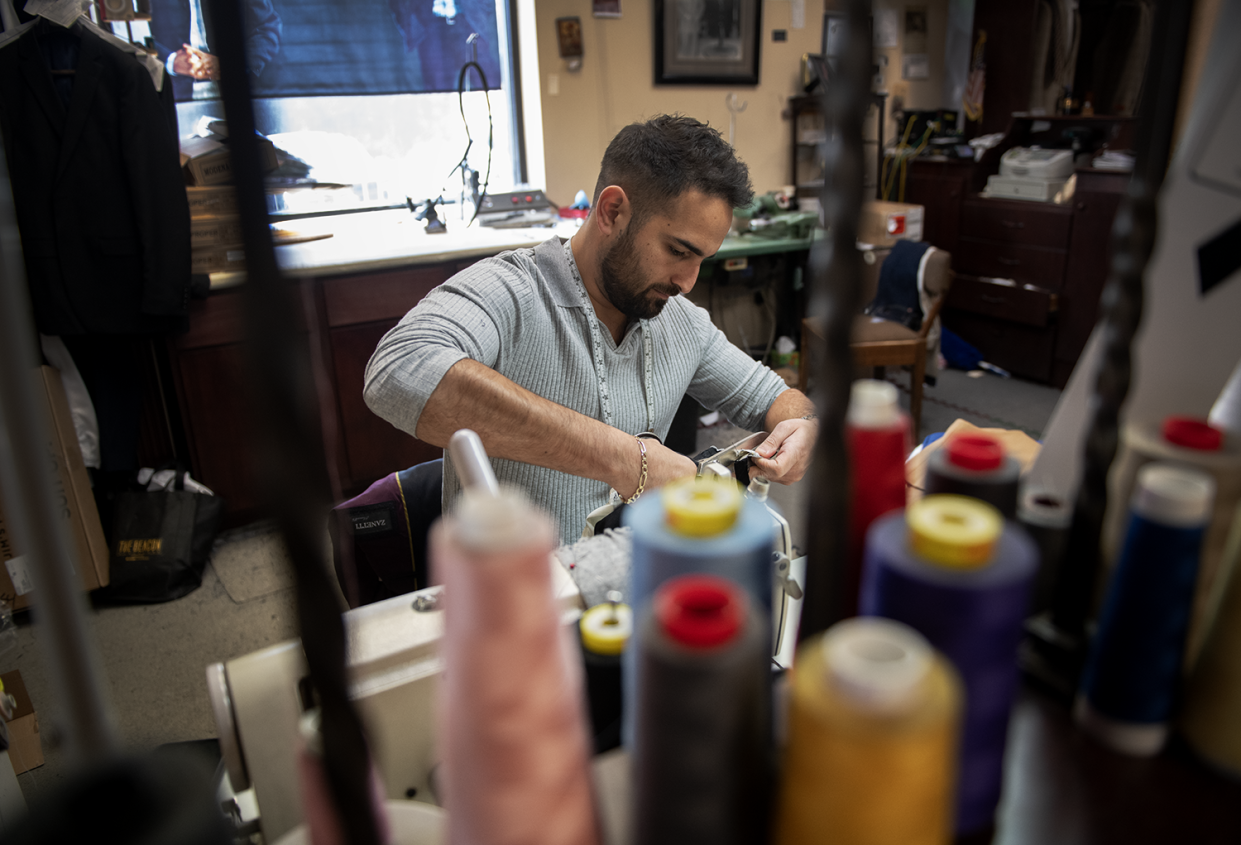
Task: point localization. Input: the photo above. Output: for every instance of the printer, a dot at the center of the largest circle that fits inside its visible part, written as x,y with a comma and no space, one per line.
1031,173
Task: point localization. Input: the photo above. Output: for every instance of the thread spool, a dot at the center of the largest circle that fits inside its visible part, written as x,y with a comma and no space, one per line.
975,465
1135,661
1046,517
512,732
1191,442
603,632
700,762
698,526
874,714
878,437
951,569
1213,693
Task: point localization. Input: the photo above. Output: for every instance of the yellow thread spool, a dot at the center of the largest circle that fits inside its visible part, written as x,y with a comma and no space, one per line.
606,628
874,717
701,507
1212,696
954,531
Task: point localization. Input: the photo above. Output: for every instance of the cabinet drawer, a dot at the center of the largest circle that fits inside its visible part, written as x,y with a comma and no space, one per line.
1027,304
1028,224
1022,350
1024,264
379,296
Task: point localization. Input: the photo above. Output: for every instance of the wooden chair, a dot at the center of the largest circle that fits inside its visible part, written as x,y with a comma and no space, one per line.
879,343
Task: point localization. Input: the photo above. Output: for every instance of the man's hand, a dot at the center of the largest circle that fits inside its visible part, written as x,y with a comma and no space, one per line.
194,63
787,451
662,467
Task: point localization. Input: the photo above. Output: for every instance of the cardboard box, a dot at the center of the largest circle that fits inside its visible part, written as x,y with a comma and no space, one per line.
212,201
209,232
78,514
206,161
25,745
226,259
885,223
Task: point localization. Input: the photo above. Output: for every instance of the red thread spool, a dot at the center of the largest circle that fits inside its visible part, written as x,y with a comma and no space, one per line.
975,465
975,452
1192,433
877,434
700,611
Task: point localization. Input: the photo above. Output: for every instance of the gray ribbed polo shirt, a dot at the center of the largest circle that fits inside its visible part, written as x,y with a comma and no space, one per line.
522,314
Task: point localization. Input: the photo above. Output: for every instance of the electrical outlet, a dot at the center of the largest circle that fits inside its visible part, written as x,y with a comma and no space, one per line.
553,85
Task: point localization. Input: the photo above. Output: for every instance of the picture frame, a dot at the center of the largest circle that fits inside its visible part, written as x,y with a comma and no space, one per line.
707,42
569,37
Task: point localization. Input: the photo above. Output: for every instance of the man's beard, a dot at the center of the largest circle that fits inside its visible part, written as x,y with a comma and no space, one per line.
620,279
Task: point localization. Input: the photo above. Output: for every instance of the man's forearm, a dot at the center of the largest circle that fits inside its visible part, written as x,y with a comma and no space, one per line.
522,426
789,405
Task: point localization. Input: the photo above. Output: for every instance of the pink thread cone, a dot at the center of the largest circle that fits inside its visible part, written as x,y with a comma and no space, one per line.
512,735
322,820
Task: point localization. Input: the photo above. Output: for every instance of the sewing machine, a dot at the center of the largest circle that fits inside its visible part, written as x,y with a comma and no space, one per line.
259,698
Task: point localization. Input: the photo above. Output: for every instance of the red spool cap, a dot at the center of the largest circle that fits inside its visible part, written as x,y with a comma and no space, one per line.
1192,433
978,452
700,611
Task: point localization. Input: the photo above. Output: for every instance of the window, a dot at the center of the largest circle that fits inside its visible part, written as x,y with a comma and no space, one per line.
362,95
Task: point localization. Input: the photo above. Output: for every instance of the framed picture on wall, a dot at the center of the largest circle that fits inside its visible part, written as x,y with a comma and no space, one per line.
707,42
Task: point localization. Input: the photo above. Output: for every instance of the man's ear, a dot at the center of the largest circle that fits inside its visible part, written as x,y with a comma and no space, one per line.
613,211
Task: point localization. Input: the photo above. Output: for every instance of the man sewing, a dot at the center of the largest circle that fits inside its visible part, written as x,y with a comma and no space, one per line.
560,355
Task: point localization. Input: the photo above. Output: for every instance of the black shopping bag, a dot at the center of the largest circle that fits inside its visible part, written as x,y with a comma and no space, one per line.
160,543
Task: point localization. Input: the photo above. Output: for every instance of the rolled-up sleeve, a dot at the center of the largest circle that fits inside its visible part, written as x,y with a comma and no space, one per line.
731,382
466,317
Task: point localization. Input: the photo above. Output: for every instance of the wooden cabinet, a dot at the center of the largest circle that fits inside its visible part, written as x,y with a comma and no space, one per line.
1090,250
358,311
1055,258
345,317
1011,239
209,373
939,186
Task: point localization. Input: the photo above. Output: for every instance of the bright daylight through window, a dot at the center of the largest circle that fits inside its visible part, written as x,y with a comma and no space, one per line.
361,98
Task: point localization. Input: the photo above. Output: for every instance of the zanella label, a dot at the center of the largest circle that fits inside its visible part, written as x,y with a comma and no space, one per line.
373,519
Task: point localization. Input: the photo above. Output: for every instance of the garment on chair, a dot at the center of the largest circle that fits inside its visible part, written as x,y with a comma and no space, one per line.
379,538
901,296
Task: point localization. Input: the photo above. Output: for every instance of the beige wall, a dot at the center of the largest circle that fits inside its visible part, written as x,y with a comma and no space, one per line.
915,93
615,87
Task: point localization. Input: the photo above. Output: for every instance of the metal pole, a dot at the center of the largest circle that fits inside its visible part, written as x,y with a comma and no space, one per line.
835,296
288,447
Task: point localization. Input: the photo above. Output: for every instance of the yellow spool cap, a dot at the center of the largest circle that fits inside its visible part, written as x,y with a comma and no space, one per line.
954,531
701,507
606,628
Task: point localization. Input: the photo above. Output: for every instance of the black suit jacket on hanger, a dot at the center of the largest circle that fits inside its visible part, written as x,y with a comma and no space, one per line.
99,193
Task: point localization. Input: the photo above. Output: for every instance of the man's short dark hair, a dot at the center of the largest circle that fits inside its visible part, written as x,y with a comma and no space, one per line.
659,160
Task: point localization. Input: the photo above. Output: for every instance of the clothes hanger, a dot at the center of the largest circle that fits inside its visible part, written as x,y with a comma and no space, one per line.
7,15
153,65
12,29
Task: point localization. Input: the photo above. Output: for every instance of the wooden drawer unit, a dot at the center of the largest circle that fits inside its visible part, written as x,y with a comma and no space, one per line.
1033,265
1021,349
1025,304
1028,224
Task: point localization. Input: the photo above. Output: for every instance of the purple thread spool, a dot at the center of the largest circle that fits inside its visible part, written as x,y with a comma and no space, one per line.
973,614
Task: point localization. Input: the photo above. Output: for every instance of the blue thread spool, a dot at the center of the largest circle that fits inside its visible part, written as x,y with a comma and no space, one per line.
951,569
697,526
1131,676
